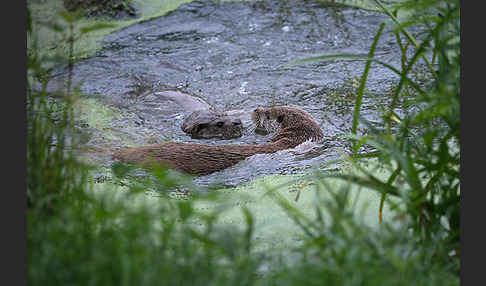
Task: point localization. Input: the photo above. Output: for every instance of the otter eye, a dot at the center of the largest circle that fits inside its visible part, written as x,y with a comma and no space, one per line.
280,118
220,123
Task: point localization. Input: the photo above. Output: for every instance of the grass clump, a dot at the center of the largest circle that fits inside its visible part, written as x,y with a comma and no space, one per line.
339,249
421,147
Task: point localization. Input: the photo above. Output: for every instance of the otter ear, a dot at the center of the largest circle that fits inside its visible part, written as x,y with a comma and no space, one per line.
280,118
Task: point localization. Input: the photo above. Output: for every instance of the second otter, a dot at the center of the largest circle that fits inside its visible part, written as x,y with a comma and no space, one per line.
202,121
295,126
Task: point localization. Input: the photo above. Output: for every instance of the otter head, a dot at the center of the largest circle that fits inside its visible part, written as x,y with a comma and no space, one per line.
264,120
206,124
278,118
268,120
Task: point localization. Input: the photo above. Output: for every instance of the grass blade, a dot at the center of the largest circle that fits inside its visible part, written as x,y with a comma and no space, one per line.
383,195
362,84
407,35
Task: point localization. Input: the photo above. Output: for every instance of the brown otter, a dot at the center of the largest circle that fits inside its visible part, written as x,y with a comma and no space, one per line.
295,127
203,121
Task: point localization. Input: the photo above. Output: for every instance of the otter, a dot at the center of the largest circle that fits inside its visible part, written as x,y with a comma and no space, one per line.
295,126
203,121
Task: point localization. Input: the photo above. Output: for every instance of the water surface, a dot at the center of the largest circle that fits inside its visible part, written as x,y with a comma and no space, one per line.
235,55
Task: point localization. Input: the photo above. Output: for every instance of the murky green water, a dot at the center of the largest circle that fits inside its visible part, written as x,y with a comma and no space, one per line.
235,55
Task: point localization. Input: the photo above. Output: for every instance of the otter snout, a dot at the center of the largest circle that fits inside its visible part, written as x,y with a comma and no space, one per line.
264,121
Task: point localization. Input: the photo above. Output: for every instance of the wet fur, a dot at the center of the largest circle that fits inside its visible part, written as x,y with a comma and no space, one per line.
295,127
201,120
293,123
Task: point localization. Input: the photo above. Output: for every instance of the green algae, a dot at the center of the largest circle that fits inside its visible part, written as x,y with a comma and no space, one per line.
273,227
96,114
274,230
51,43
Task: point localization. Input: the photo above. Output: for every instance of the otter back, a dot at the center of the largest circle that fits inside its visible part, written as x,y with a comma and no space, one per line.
192,158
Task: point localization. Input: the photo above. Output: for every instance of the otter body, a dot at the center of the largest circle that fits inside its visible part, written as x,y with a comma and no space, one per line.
193,158
296,126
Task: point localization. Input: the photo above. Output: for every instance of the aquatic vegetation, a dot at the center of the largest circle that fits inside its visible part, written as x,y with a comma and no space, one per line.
420,147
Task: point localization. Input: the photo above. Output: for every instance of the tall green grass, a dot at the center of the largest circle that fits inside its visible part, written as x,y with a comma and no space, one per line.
77,236
338,249
81,235
421,150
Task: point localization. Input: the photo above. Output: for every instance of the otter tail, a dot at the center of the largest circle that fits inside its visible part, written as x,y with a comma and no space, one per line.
186,101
